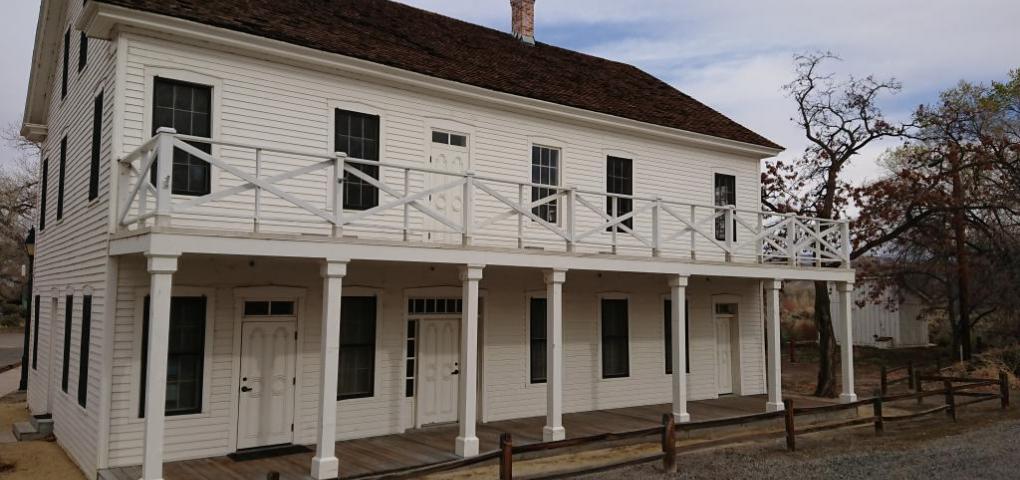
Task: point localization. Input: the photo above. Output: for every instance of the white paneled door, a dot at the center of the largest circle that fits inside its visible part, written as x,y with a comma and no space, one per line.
724,355
452,158
266,406
438,370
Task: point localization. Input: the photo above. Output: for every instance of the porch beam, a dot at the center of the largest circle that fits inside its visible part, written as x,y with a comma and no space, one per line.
553,429
161,269
678,297
846,290
775,376
325,464
466,444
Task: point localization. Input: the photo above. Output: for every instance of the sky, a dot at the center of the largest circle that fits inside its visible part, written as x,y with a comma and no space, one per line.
733,55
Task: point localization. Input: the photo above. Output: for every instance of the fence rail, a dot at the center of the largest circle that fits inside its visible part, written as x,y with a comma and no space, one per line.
266,189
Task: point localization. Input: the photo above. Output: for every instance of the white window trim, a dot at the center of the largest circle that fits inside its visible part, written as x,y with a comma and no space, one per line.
358,107
136,363
216,119
365,291
630,335
604,171
544,142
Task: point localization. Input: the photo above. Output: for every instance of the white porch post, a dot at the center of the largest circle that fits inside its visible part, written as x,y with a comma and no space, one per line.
775,376
846,290
324,463
466,444
678,297
553,429
161,270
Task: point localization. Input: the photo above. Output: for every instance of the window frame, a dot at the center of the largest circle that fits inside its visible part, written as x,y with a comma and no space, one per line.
668,334
720,222
340,396
529,330
335,112
555,205
625,205
137,362
210,177
599,335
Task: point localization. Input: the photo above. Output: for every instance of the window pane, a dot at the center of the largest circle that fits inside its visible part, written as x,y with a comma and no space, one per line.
357,347
281,308
187,108
545,171
440,137
537,332
256,308
185,357
615,341
458,140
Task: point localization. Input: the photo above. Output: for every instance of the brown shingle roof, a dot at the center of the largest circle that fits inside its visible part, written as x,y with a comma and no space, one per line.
408,38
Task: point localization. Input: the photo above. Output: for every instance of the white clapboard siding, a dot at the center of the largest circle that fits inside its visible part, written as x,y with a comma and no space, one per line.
888,316
71,252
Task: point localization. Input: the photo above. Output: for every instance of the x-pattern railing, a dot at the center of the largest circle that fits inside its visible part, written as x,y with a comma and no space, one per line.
267,190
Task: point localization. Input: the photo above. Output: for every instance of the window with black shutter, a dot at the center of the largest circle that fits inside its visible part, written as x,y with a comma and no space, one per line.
83,350
537,332
42,193
61,175
68,313
185,355
620,181
357,348
357,135
187,108
545,170
97,135
725,195
667,328
67,58
83,51
615,339
35,339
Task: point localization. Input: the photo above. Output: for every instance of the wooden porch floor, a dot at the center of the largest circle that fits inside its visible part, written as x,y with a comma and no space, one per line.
435,444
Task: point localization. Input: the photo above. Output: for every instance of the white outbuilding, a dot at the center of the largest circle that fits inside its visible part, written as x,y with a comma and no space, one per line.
893,320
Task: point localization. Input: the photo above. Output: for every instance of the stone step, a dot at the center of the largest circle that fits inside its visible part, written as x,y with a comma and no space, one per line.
42,423
25,431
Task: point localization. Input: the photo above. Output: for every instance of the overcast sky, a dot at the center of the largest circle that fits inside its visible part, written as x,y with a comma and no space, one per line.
733,55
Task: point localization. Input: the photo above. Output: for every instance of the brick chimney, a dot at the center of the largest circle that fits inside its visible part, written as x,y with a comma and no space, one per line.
523,20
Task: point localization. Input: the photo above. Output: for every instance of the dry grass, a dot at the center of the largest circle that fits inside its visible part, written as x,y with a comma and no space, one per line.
31,460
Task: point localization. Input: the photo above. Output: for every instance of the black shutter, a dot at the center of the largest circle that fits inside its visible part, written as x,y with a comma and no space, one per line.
83,350
83,51
67,58
35,340
42,193
97,135
68,312
61,172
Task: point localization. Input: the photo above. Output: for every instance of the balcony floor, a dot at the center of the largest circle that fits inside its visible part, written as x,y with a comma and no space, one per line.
435,444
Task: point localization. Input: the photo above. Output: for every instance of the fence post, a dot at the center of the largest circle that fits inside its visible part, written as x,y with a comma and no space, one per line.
1004,389
571,220
164,175
338,193
884,381
258,191
668,443
730,231
879,423
694,233
791,432
506,456
407,206
950,399
520,216
656,231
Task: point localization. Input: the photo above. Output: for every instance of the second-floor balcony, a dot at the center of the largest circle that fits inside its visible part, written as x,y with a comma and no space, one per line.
274,191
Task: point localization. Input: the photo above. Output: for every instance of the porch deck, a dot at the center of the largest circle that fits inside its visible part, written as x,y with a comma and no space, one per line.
435,444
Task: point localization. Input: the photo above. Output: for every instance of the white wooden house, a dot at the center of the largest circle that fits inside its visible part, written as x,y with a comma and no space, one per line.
892,320
366,218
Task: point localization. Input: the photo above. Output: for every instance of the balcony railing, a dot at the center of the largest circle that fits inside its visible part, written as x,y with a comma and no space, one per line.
271,190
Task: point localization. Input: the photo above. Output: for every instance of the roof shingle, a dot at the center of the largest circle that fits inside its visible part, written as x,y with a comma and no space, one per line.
408,38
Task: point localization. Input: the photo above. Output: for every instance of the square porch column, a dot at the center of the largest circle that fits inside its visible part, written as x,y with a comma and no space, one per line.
324,463
846,290
466,444
775,376
678,299
161,269
553,429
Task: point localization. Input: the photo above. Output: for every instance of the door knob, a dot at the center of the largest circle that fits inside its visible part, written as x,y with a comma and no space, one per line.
245,389
455,371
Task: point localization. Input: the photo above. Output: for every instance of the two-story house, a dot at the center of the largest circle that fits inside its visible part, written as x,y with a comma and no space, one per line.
296,222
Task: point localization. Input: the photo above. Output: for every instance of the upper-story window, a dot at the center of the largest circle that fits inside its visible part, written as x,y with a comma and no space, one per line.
97,132
725,195
42,193
83,51
187,108
545,170
357,135
67,58
620,181
61,175
447,138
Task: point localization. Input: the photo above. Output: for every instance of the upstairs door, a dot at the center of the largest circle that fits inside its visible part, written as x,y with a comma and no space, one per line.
266,406
449,153
438,371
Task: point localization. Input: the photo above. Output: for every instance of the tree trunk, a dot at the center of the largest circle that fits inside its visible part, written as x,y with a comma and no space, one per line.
826,386
962,261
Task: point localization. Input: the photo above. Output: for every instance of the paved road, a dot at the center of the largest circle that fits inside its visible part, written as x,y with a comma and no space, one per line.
10,348
983,446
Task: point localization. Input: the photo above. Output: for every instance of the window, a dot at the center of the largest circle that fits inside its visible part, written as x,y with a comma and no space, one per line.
68,312
61,172
725,194
35,340
545,170
42,193
412,356
97,134
83,350
667,328
268,308
187,108
67,58
357,347
434,306
83,51
447,138
357,135
536,333
185,355
615,345
726,309
620,180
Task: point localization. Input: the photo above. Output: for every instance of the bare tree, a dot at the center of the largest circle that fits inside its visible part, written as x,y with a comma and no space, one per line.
839,118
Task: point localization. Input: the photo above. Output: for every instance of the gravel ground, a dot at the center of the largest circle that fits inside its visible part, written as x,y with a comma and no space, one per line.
980,446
